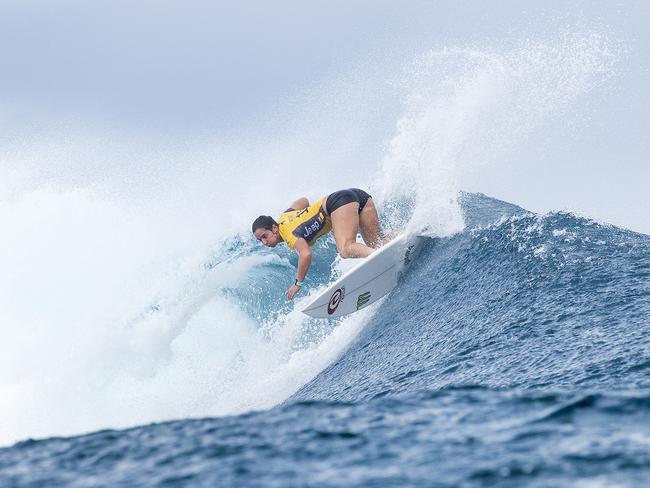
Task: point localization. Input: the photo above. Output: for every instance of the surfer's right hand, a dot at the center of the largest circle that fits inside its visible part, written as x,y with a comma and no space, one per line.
291,292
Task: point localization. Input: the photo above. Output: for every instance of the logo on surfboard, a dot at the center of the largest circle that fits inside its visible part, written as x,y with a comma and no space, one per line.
335,300
363,299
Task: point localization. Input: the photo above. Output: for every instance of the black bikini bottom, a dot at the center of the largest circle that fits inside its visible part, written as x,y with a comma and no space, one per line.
343,197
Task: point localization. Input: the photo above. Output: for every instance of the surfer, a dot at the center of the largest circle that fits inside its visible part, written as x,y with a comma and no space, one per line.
344,212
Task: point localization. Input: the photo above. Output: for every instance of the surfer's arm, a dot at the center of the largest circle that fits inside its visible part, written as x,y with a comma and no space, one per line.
304,258
300,203
304,261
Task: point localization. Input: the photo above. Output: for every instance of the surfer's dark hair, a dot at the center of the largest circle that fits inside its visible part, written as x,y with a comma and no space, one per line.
264,222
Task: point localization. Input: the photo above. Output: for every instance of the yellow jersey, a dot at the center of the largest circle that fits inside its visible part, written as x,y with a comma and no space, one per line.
309,223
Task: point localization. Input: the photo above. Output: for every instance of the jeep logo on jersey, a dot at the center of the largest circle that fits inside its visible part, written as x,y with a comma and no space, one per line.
363,299
308,229
335,300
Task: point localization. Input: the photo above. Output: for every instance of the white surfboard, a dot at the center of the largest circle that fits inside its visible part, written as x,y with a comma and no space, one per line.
368,281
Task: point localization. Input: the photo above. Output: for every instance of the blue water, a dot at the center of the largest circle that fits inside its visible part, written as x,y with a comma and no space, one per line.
516,353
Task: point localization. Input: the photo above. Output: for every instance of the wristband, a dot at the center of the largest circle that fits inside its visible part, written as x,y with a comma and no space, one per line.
299,283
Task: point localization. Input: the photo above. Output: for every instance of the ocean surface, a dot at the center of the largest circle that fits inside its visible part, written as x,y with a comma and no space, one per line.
516,352
145,336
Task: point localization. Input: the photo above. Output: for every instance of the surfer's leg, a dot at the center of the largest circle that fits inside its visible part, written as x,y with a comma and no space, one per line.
369,225
345,225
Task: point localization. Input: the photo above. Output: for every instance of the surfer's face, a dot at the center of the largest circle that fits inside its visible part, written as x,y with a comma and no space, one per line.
268,237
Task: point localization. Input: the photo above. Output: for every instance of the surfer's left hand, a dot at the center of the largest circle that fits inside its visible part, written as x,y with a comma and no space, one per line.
291,292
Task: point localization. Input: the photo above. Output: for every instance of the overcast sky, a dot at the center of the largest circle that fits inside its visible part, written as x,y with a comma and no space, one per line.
202,67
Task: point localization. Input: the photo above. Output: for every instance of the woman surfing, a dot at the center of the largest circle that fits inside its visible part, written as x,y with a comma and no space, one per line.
344,212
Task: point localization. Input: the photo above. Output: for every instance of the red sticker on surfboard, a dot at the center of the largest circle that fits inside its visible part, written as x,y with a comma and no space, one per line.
334,302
